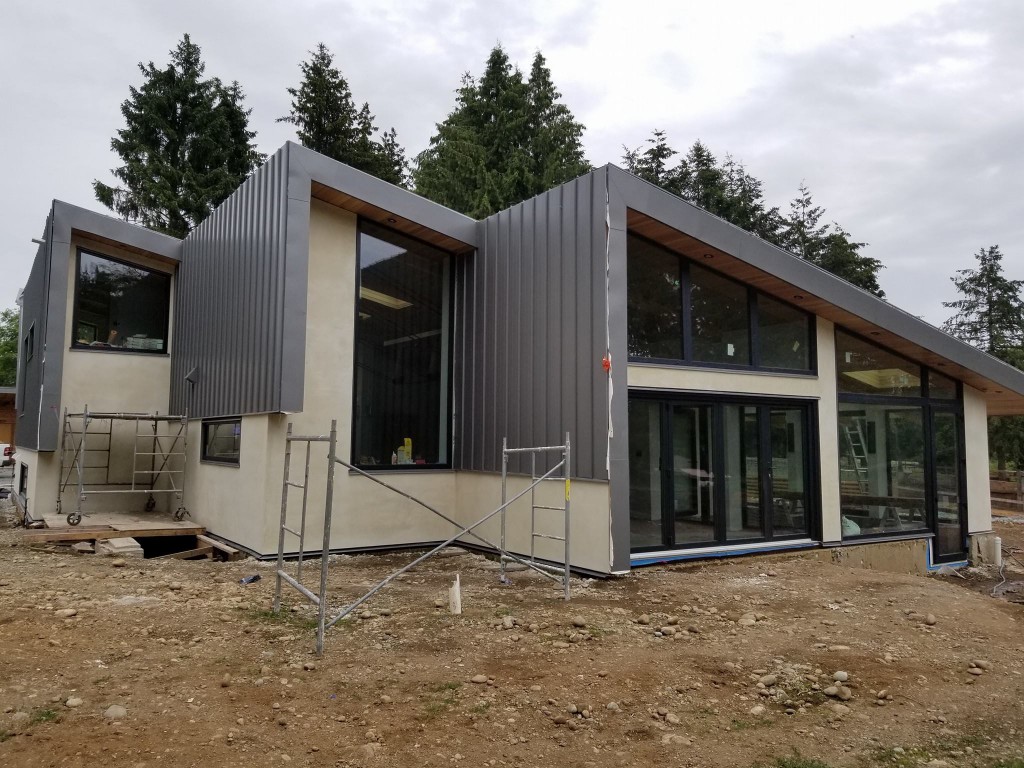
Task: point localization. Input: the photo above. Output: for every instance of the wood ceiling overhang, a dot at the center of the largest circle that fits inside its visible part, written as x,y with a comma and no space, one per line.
1001,399
388,218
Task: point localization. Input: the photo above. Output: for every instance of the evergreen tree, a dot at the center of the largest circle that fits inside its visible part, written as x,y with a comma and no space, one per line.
185,147
8,347
827,245
990,316
506,140
990,313
652,164
327,121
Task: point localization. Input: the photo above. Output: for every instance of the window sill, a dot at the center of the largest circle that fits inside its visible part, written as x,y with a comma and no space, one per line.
216,463
120,351
880,538
402,470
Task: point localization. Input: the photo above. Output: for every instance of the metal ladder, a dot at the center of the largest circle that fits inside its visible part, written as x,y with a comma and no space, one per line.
858,451
535,479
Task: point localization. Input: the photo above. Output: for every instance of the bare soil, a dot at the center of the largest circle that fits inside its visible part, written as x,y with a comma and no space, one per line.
209,676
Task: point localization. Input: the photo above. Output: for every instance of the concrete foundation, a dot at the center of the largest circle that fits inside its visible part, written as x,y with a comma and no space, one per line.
986,549
892,556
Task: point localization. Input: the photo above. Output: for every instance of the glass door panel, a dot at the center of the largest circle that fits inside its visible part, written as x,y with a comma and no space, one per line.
692,483
744,516
949,533
788,440
645,475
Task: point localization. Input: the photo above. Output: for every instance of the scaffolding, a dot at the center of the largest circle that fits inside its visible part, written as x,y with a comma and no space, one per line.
561,574
153,455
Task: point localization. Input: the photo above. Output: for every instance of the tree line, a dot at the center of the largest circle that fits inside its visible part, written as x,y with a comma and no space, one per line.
186,145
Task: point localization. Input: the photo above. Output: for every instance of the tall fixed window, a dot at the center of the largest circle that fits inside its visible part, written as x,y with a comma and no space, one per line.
900,447
403,342
681,311
120,306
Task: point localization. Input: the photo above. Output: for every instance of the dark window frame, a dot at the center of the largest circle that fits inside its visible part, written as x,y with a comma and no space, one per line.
764,404
206,458
448,425
134,265
753,329
929,406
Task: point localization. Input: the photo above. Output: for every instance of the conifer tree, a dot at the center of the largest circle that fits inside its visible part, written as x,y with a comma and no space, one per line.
507,139
327,121
185,147
990,315
9,320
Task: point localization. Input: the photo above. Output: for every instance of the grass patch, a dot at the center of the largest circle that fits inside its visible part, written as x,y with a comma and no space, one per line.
44,716
5,735
796,762
1013,762
285,618
482,707
441,700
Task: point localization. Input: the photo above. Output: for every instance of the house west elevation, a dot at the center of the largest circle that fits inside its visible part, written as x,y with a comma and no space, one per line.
722,396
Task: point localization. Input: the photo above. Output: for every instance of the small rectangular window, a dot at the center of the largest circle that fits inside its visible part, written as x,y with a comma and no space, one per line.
866,369
784,334
221,441
120,306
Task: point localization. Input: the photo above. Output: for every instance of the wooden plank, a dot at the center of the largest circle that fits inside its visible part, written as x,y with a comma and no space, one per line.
86,534
188,554
230,553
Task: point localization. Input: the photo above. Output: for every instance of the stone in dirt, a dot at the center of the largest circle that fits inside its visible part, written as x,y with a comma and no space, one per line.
579,622
841,677
478,679
66,613
73,702
122,547
115,712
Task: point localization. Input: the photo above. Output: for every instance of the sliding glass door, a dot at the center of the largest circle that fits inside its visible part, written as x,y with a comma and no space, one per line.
717,472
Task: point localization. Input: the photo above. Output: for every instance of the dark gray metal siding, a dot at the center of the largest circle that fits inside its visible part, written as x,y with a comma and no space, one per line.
30,372
531,331
240,304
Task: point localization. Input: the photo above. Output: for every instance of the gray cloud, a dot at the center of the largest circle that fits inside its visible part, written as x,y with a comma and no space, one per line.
906,131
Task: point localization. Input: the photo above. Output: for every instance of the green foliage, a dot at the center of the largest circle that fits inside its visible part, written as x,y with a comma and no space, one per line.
990,315
327,121
8,347
728,190
507,140
185,147
44,716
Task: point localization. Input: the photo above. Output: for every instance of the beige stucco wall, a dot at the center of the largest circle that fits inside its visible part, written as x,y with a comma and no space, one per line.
979,498
479,493
820,388
107,382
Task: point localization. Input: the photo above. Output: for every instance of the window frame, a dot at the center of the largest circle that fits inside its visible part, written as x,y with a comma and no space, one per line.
134,265
753,324
449,395
205,458
929,407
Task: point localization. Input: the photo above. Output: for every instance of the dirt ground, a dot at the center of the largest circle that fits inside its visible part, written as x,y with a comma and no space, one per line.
206,675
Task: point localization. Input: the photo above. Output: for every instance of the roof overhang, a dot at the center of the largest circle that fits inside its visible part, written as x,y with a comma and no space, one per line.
697,234
72,221
343,186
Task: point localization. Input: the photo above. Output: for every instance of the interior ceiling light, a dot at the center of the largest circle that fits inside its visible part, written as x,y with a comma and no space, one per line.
709,255
876,333
391,220
799,297
390,302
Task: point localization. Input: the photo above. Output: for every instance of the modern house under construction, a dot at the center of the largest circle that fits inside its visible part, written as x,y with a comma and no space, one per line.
722,396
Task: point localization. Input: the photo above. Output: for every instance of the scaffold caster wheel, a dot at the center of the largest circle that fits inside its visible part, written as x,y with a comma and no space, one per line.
150,504
180,513
74,519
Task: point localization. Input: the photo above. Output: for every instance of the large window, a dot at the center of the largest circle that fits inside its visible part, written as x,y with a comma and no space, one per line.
900,448
714,471
401,415
679,311
120,306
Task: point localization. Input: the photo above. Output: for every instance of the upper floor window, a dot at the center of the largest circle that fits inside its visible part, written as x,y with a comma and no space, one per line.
680,311
120,306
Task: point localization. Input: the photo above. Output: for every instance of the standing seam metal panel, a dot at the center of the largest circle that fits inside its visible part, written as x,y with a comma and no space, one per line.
532,323
229,305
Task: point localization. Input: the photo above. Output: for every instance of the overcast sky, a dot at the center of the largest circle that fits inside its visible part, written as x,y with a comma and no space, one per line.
904,118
